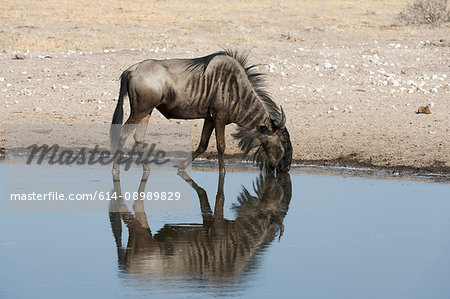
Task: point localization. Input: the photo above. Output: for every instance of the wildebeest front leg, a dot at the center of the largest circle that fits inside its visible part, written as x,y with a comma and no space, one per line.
220,142
208,127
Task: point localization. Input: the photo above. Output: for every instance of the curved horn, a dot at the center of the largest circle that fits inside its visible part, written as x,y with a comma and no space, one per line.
282,122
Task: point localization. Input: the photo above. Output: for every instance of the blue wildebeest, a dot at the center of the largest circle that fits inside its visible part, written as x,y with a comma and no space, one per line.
219,88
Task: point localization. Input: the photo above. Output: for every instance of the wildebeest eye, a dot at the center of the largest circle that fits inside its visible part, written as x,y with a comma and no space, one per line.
264,130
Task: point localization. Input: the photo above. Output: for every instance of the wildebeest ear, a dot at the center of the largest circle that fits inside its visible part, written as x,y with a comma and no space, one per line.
264,130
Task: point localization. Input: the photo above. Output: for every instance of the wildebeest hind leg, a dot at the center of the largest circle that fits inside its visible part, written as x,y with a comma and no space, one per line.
130,125
139,135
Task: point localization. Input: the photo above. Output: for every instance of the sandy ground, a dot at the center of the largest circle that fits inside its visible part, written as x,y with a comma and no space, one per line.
349,77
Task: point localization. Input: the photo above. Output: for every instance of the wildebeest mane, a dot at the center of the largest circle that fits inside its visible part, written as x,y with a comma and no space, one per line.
255,78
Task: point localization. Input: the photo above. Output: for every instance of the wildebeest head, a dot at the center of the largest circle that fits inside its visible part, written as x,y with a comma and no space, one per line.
276,145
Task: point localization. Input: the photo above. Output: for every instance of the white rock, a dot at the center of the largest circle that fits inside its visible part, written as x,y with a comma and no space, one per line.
8,84
37,109
395,83
2,79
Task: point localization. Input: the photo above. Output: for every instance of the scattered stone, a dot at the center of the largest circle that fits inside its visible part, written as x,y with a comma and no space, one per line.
424,110
37,109
19,56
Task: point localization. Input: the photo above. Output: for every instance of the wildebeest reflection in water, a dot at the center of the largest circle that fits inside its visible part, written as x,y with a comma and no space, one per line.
217,248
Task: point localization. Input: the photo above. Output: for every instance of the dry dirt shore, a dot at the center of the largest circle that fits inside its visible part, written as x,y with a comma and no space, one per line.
349,78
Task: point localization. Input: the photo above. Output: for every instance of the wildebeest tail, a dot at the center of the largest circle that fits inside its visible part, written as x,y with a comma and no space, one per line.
116,124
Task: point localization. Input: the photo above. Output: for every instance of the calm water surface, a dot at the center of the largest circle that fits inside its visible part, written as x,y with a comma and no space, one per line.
298,236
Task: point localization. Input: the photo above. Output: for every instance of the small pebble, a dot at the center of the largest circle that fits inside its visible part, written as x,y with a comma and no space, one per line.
19,56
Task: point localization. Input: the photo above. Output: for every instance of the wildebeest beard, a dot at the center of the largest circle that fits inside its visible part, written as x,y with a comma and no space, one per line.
248,141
